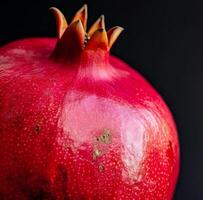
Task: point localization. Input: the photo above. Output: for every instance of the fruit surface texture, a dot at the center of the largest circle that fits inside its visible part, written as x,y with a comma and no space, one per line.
77,123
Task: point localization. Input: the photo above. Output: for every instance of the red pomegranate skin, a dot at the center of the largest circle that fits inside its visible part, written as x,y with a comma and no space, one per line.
81,132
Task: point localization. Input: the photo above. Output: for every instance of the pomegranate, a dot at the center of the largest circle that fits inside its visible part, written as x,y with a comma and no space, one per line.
78,123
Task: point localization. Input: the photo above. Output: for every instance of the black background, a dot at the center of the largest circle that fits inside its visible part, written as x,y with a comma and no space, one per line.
163,40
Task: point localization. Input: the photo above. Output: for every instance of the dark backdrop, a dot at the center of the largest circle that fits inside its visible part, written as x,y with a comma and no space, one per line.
163,40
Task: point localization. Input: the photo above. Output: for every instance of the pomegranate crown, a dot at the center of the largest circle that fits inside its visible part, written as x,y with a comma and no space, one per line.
73,38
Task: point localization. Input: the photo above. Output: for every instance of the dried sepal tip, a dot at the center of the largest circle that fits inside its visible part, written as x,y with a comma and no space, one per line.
61,22
82,15
113,34
99,24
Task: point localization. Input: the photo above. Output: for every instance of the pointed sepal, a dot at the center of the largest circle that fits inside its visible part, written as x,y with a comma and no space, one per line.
81,15
113,34
99,24
61,22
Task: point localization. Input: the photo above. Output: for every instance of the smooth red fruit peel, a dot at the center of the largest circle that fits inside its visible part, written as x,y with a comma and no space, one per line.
78,123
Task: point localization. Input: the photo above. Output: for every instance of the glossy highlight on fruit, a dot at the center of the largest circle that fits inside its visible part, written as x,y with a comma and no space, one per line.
78,123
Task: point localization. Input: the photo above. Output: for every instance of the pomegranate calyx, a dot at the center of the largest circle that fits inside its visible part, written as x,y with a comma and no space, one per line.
73,40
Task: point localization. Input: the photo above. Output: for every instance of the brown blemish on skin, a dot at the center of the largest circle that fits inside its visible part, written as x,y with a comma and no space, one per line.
37,129
97,153
105,137
101,167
